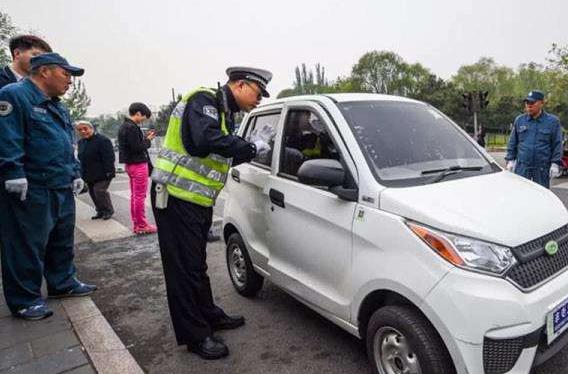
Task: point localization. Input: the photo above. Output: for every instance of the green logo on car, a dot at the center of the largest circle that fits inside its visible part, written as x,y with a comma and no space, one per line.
551,247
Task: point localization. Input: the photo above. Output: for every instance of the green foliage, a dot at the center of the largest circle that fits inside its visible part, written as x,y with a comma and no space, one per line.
7,30
108,124
387,73
77,100
163,116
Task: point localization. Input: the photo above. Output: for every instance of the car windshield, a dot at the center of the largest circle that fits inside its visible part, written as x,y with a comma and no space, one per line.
411,143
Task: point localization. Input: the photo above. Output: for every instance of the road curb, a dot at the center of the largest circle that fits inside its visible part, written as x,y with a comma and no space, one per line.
104,348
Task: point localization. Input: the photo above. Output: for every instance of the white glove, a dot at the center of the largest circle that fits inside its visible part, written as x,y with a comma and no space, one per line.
511,165
554,171
78,185
19,185
261,146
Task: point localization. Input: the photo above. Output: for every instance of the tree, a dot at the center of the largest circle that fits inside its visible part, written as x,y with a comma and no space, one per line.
163,116
108,124
7,30
380,72
307,82
77,100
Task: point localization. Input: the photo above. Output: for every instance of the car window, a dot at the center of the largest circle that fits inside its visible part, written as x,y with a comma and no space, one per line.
305,138
403,141
263,127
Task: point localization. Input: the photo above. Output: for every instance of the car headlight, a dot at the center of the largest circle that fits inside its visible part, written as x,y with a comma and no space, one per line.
467,253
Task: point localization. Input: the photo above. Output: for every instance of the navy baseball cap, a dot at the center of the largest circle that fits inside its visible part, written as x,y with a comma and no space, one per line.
55,59
534,95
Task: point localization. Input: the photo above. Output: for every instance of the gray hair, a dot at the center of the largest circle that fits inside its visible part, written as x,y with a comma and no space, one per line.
83,122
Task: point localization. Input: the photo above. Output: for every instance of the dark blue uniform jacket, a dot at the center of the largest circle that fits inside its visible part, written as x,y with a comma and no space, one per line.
536,142
36,138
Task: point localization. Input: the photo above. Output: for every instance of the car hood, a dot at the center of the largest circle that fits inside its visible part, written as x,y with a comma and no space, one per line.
501,207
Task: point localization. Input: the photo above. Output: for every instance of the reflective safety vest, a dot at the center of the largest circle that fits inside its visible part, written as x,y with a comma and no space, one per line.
195,179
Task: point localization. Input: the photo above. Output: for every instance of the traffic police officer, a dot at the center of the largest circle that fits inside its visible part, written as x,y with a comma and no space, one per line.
535,146
189,173
38,176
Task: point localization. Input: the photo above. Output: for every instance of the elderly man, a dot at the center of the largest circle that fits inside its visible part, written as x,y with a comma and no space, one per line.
535,146
38,176
22,49
191,169
96,154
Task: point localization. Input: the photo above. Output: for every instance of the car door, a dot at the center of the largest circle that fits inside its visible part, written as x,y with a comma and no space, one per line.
309,228
247,183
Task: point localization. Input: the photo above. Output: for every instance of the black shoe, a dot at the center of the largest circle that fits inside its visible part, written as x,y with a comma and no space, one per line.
106,216
228,323
34,312
81,290
209,349
97,216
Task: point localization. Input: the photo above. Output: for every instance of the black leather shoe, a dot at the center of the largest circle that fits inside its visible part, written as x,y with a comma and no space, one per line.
106,216
97,216
228,323
209,349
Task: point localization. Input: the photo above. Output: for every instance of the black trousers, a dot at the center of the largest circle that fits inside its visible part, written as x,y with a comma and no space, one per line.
100,196
182,234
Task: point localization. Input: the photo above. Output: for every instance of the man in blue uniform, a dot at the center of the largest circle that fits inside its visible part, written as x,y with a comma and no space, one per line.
22,49
535,146
38,177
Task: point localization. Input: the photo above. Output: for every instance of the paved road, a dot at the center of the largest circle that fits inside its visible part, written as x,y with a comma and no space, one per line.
281,335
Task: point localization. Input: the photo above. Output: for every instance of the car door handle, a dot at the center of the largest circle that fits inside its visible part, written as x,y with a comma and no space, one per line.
236,175
276,197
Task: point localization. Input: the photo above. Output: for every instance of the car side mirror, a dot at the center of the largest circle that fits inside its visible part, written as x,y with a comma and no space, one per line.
321,172
327,173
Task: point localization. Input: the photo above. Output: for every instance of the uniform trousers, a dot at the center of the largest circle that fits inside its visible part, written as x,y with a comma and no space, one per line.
100,196
36,240
537,174
182,235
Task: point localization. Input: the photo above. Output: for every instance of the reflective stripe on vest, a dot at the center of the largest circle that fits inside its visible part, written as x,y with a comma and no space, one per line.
195,179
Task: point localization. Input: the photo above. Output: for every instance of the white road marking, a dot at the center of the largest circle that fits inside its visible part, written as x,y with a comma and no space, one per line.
98,230
563,185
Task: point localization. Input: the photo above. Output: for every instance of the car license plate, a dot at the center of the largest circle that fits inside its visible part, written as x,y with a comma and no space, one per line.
557,321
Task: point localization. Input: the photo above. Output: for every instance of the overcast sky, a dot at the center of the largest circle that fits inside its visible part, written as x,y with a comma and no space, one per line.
137,50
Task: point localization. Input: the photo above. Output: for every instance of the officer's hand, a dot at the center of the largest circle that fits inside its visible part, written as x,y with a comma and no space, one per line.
19,185
511,165
554,171
78,185
261,146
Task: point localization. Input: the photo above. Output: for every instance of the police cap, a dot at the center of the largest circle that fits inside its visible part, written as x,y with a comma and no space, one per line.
53,58
259,76
534,95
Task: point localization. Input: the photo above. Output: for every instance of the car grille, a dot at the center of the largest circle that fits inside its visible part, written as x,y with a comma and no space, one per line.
535,265
499,356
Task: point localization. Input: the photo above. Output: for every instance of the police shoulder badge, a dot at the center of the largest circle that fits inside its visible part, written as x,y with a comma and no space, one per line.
211,111
5,108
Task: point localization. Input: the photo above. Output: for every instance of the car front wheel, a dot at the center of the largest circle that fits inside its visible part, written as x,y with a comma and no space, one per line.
400,340
245,279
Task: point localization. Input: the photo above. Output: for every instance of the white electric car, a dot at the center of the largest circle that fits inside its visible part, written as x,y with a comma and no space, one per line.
386,218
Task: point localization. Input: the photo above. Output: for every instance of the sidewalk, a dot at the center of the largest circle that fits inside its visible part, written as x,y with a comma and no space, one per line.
77,339
47,346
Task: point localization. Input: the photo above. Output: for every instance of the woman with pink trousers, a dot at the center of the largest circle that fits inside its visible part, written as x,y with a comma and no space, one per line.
133,152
